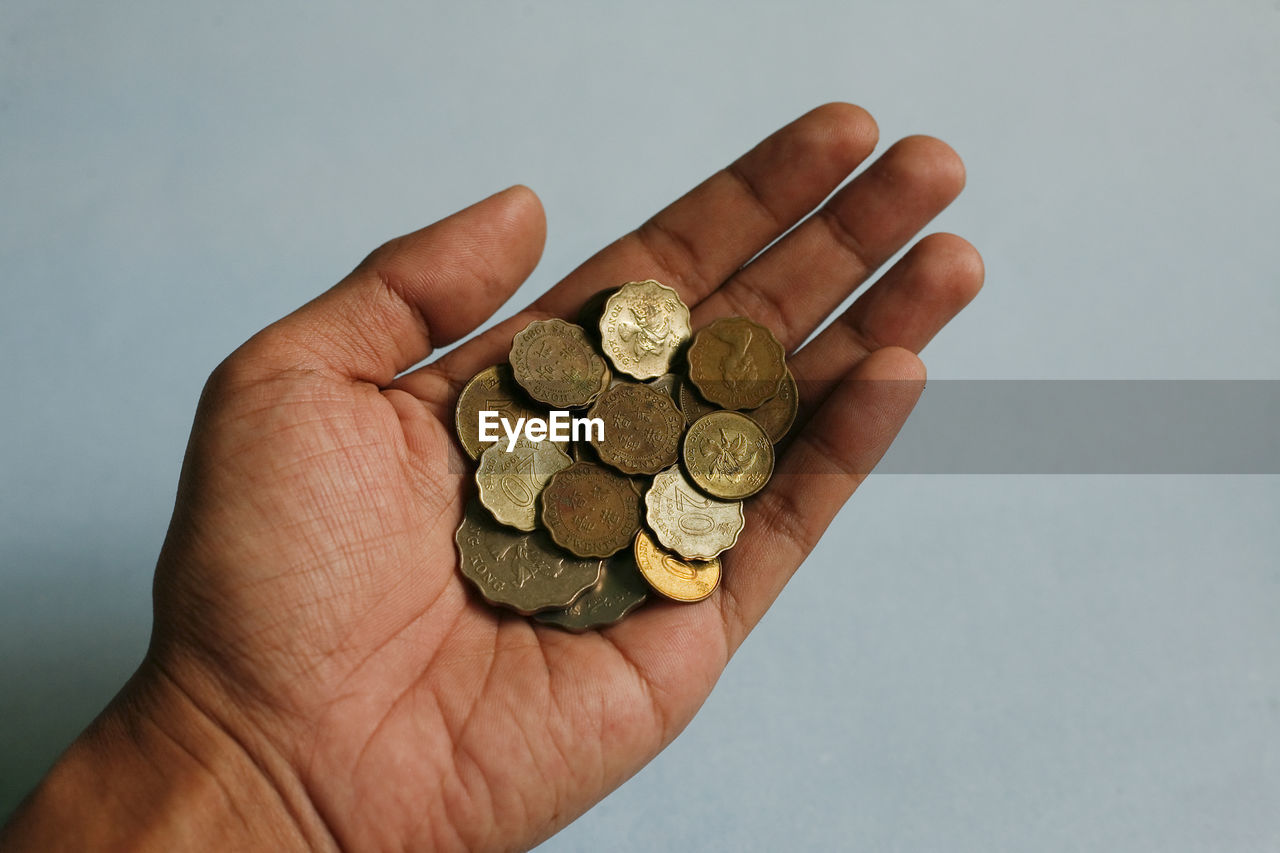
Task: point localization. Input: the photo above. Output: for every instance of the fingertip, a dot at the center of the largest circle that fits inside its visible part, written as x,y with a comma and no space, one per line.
524,203
893,363
927,161
851,128
526,221
960,270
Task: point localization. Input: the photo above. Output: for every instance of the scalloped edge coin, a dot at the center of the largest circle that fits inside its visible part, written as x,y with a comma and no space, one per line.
485,555
672,500
635,406
627,335
580,490
509,482
576,388
744,392
620,590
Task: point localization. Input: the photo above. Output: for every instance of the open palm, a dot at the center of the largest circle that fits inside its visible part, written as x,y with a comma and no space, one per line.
307,598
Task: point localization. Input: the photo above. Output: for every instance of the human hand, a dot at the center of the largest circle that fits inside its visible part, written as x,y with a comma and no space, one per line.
319,671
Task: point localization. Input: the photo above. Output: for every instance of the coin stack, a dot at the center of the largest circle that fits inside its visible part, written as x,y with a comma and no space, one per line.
578,532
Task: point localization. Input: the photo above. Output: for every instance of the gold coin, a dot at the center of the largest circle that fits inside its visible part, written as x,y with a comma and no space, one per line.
727,455
688,522
641,429
643,325
495,390
778,414
556,364
510,481
736,363
677,579
620,590
590,510
523,571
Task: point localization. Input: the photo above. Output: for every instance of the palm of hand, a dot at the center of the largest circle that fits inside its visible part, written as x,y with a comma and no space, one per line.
310,571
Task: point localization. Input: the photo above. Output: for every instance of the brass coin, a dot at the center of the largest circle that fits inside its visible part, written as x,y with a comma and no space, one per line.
778,414
493,389
590,510
688,522
642,429
677,579
736,363
727,455
556,364
523,571
510,482
643,325
620,590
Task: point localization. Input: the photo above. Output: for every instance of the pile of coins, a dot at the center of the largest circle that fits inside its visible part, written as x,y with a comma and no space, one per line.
578,532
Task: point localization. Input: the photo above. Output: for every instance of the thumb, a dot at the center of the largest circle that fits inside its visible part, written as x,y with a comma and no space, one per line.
413,293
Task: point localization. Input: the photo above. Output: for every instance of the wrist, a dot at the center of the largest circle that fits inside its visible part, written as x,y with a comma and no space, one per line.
158,771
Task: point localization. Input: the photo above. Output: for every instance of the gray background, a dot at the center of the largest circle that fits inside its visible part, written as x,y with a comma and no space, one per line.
967,662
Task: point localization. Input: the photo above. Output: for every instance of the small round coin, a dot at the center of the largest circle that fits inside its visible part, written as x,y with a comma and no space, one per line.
493,389
556,364
676,579
620,590
688,522
727,455
736,363
590,510
642,429
510,481
523,571
779,413
643,325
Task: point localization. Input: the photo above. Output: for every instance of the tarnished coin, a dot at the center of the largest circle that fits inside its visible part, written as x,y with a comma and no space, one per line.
590,510
495,390
736,363
642,326
688,522
620,590
523,571
556,363
691,405
779,413
591,311
669,384
510,481
727,455
582,451
677,579
642,429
